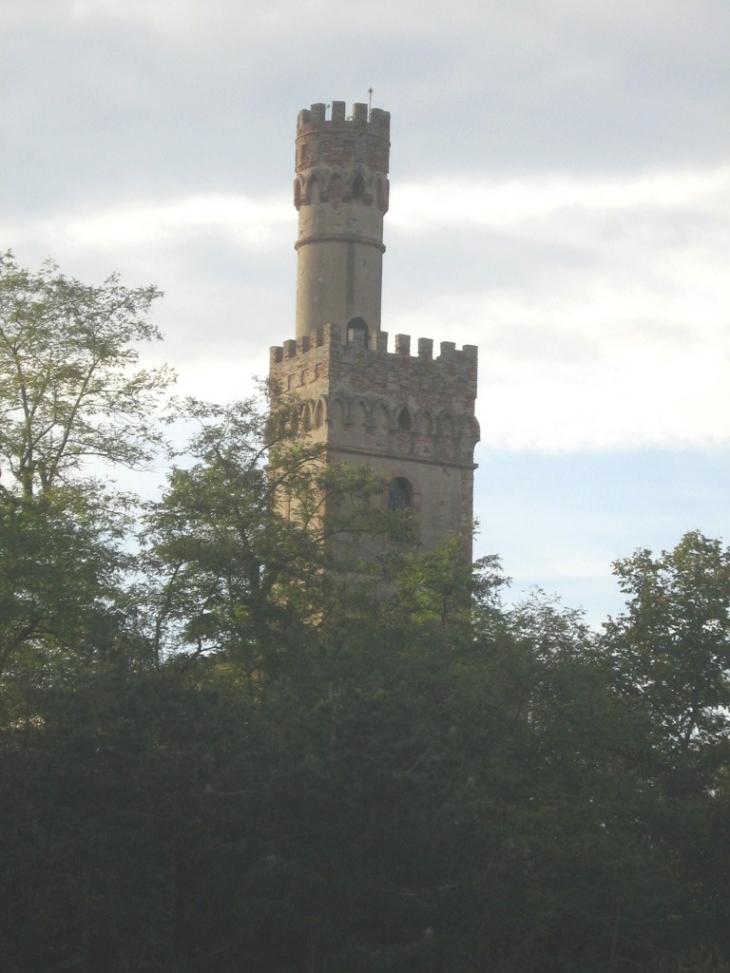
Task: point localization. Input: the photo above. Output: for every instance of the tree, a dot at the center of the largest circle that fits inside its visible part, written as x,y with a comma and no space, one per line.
671,652
667,661
70,389
238,547
63,607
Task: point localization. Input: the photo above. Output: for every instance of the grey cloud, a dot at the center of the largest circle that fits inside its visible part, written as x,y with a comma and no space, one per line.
118,107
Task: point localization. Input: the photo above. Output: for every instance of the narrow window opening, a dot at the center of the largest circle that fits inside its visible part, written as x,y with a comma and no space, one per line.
313,190
357,332
400,495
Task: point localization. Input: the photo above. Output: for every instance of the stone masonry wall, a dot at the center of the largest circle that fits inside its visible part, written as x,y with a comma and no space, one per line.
341,194
321,357
401,415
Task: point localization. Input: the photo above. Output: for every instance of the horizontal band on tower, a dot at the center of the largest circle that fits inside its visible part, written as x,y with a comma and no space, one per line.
340,238
334,447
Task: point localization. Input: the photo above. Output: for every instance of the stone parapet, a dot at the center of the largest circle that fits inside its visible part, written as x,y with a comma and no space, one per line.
314,120
321,358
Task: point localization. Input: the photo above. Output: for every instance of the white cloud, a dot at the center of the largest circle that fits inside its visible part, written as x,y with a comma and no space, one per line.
248,222
671,402
498,203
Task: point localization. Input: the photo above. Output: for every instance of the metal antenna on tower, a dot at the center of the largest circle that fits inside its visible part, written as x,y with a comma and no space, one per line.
370,101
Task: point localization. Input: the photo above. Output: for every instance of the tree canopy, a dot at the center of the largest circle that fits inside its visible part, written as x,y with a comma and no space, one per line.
219,750
70,389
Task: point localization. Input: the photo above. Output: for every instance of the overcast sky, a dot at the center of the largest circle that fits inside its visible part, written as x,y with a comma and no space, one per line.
560,196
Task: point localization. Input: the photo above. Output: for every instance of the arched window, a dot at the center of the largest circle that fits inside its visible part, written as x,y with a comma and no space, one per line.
357,332
400,494
405,423
337,413
358,187
336,186
313,190
382,194
424,422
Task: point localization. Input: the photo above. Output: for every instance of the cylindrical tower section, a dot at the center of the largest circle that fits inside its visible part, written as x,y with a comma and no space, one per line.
341,192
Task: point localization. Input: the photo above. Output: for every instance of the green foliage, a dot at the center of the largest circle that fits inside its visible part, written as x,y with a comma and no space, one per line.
239,747
61,598
67,388
667,661
673,649
238,547
70,390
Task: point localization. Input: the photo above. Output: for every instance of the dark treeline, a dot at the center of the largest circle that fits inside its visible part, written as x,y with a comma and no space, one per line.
218,754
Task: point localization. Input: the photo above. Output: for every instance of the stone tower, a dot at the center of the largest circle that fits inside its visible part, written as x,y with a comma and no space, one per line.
409,417
341,193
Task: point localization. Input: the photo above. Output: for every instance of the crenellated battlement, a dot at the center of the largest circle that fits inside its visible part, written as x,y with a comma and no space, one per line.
330,336
374,121
341,149
362,367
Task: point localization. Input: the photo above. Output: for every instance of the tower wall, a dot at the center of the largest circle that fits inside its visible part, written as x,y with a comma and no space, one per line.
401,415
341,193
